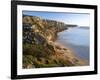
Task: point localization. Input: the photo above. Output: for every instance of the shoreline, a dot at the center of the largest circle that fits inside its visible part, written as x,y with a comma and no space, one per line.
77,50
69,53
40,48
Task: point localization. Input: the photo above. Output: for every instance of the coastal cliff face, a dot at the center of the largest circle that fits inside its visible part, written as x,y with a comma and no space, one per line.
46,28
39,47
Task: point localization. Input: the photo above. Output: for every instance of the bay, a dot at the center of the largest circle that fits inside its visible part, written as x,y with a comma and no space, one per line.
78,39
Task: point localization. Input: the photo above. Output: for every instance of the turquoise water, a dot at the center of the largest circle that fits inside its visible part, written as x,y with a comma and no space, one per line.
78,39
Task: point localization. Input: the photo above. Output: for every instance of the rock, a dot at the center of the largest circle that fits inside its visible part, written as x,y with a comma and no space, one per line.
43,26
38,43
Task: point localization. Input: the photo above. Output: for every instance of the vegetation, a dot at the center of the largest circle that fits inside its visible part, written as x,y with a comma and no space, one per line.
39,49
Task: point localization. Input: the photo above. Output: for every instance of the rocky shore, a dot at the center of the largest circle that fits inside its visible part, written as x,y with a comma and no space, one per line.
40,49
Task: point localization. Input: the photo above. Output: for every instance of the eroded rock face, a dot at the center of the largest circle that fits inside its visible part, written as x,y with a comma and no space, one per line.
47,28
39,49
37,31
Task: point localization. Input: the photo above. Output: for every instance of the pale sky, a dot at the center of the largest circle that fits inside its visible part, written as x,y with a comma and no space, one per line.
80,19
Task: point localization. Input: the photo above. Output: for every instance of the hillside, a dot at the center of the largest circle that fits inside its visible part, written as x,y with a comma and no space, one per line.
39,46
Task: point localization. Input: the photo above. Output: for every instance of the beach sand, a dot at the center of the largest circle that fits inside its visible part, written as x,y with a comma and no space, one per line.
70,54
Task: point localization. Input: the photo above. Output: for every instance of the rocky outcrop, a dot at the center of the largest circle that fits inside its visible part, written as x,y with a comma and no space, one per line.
72,25
39,48
47,28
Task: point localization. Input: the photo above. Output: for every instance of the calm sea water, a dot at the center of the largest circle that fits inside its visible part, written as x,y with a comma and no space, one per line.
77,39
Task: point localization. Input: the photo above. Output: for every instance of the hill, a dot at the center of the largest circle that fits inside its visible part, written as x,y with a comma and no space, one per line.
39,46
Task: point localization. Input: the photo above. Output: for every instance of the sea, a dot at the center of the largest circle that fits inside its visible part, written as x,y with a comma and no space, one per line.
77,39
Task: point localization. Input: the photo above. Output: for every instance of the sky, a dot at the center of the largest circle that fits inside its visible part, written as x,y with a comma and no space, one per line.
80,19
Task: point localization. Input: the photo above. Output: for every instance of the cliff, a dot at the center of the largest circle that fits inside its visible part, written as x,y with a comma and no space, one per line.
47,28
72,25
39,47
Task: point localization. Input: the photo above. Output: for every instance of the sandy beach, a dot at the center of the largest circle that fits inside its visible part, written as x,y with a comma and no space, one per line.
69,53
